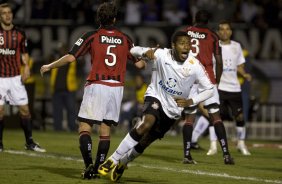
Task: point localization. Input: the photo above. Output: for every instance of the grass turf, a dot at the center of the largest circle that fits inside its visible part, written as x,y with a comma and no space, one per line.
161,163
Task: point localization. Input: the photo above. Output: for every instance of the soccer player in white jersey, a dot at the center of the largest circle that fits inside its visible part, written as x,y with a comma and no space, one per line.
229,87
174,73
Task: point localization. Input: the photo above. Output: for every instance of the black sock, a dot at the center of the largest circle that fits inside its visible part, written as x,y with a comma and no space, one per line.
103,148
133,133
221,135
1,131
27,128
139,148
85,145
187,136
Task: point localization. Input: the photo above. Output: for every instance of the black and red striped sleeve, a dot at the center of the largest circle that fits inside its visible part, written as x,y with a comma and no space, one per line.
83,44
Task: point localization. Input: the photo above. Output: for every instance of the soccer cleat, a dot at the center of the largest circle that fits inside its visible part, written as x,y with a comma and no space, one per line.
88,173
34,147
106,167
228,160
212,151
195,145
189,161
243,149
118,171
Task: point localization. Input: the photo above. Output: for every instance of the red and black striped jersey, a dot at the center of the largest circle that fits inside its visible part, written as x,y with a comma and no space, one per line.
12,45
204,43
109,49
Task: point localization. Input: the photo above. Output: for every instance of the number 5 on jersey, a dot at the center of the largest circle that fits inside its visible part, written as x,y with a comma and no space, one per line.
109,53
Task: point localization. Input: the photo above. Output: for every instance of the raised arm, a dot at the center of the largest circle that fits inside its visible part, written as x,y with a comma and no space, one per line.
144,53
68,58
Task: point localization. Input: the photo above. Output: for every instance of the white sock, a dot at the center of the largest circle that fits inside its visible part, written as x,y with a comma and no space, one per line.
213,145
199,129
241,133
126,144
213,136
129,156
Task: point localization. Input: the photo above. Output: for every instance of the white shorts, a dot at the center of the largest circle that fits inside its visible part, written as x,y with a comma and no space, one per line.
100,103
12,91
214,99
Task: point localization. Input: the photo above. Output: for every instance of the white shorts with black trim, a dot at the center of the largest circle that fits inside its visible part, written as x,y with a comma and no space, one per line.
12,91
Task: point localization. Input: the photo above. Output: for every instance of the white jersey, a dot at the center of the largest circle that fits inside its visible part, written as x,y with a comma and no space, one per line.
172,79
232,56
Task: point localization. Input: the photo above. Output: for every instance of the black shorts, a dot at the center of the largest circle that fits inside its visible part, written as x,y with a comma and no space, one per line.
232,101
163,122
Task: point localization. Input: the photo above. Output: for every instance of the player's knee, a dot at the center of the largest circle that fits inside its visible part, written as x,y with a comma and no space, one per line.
24,111
215,118
144,127
189,111
239,117
240,120
212,108
146,124
84,127
1,112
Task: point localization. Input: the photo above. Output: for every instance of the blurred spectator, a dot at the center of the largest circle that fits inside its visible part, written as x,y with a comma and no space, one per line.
222,9
280,13
151,11
271,12
173,15
64,85
249,10
85,12
40,9
135,11
59,10
132,110
259,19
140,89
133,14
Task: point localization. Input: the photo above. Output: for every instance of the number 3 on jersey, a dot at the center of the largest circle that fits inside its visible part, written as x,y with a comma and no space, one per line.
195,44
109,53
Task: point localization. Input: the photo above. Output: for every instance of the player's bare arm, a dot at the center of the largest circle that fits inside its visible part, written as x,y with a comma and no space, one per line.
68,58
218,67
26,70
202,109
241,71
182,102
141,64
150,54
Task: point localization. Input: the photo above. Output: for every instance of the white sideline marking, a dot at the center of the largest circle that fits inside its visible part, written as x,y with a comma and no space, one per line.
197,172
34,154
222,175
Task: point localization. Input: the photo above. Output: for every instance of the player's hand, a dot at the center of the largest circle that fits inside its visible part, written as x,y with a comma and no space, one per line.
44,68
248,77
150,54
182,102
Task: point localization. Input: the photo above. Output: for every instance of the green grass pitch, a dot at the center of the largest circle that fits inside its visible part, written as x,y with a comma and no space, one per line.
160,164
